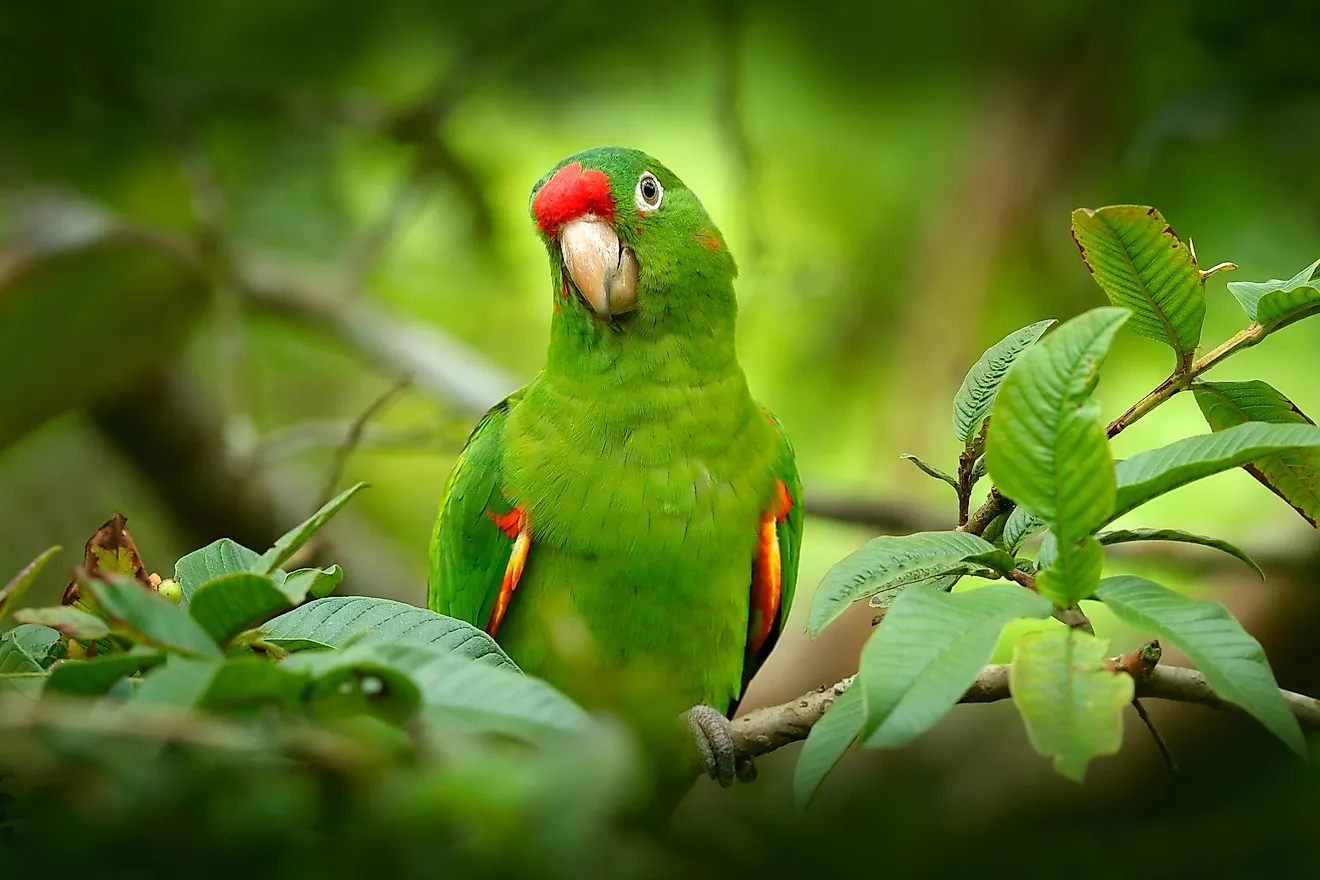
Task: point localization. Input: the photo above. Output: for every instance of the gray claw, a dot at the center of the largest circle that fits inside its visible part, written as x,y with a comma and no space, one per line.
711,731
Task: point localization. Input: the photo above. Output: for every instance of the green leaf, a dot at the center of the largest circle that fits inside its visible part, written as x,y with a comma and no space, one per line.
1295,475
212,561
231,603
356,681
12,593
295,538
995,560
29,685
1072,705
928,651
1141,265
887,563
1046,447
152,618
316,582
1232,662
339,620
1124,536
975,399
479,696
26,648
1074,574
827,742
941,583
246,684
95,677
1021,525
179,683
67,619
1155,472
930,470
1274,304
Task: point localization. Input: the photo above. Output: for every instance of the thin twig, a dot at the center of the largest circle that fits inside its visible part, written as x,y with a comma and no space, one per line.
354,436
1179,381
1165,753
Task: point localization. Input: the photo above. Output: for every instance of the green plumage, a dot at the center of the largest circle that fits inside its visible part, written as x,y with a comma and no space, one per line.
643,466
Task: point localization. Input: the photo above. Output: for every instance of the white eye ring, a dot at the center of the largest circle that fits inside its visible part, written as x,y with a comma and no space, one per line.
648,184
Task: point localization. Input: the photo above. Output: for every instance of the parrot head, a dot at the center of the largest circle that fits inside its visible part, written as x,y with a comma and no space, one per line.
628,236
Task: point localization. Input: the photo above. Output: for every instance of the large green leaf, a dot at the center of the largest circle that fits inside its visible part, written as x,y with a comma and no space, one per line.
1274,304
1046,447
1124,536
339,620
26,648
295,538
928,651
12,593
152,618
1294,475
887,563
354,681
1150,474
483,697
67,619
234,685
94,677
827,742
231,603
179,683
246,684
212,561
1071,703
1232,662
976,397
1141,265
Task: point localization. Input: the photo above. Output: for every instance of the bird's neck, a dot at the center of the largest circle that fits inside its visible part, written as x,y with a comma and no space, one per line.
673,340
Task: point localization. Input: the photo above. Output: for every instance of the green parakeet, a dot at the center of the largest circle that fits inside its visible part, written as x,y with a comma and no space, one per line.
629,522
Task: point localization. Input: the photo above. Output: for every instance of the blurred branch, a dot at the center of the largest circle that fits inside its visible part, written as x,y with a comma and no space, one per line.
210,209
890,517
440,365
729,107
762,731
170,436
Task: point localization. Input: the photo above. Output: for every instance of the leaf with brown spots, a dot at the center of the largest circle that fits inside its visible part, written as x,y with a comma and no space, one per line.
110,552
1293,475
1139,262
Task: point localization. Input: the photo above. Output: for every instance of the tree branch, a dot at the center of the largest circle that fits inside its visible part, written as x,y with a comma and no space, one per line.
762,731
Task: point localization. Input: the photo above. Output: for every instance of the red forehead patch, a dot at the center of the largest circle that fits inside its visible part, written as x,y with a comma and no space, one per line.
571,193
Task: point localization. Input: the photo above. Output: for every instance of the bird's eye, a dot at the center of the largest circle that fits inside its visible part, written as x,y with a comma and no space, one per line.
649,193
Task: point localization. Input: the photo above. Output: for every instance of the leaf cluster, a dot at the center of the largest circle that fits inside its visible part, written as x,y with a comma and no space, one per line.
1027,418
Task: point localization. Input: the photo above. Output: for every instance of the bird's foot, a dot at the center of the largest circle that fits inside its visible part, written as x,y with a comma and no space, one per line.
710,729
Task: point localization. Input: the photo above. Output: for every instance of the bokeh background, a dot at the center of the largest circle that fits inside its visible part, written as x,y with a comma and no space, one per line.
227,230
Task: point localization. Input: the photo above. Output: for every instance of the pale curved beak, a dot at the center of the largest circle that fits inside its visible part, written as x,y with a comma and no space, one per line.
602,267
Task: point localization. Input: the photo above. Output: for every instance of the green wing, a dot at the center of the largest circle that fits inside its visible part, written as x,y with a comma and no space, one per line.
789,531
469,551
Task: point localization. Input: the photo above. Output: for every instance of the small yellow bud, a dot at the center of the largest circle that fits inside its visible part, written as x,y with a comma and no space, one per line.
171,590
